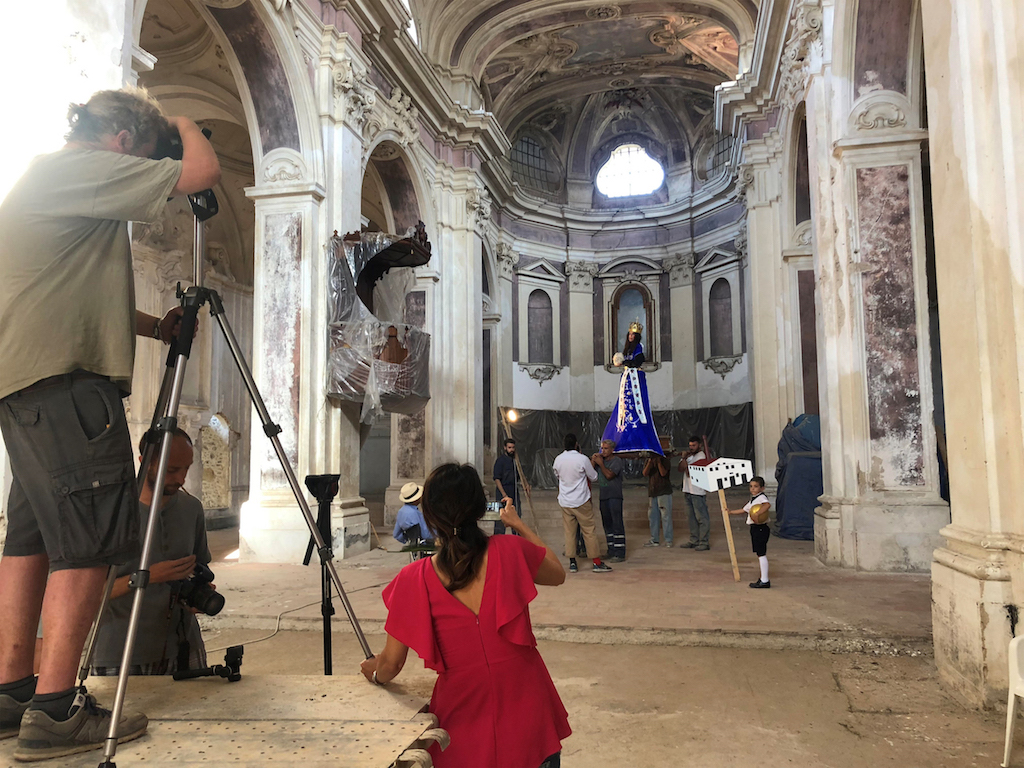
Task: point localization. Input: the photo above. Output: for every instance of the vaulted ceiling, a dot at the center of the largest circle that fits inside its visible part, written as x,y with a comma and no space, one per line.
528,55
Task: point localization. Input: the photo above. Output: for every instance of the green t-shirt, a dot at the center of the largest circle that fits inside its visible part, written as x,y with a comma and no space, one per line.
67,291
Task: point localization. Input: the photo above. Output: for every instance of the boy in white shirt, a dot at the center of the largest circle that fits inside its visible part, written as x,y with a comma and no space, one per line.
759,532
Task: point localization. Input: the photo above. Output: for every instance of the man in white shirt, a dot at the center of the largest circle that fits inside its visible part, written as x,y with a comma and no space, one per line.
575,473
693,495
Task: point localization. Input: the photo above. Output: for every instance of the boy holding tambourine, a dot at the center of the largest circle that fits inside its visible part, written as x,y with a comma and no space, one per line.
756,511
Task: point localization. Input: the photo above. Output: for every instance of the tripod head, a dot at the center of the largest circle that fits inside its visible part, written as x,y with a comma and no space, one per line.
323,487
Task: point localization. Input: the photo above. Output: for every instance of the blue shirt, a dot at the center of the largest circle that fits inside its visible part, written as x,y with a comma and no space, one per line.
408,516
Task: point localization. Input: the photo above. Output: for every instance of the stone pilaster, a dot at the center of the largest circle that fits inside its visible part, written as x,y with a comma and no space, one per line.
684,353
975,63
581,329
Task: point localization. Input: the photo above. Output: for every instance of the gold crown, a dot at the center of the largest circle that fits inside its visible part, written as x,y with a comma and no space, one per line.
635,327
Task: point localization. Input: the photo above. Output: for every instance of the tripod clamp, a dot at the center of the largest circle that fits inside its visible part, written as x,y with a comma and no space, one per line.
230,669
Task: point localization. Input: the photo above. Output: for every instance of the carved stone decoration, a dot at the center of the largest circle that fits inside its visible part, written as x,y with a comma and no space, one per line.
478,207
805,32
744,179
671,35
880,110
739,243
581,275
604,12
354,95
405,116
680,270
282,166
216,458
541,372
802,236
507,259
722,365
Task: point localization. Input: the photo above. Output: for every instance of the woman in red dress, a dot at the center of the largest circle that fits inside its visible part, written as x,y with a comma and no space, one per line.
465,611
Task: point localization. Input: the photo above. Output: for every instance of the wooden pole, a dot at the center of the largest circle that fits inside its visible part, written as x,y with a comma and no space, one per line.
728,535
519,469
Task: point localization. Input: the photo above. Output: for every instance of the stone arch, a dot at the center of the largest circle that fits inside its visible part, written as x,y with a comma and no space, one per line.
399,181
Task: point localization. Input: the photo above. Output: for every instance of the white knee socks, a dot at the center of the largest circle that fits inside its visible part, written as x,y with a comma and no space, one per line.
763,561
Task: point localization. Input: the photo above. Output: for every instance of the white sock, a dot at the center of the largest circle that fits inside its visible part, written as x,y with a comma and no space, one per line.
763,561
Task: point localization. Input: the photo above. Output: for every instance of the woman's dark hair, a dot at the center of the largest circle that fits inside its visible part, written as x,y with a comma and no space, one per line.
631,345
453,502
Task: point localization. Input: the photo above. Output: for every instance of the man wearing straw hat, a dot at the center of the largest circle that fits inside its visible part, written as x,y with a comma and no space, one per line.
410,516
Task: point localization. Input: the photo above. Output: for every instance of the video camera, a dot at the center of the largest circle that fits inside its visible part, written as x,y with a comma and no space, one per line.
197,593
168,144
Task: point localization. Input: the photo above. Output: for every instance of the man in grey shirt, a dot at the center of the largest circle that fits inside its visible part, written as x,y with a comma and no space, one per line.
168,637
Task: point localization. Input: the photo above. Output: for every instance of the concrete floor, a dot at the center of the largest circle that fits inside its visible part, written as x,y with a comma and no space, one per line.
668,661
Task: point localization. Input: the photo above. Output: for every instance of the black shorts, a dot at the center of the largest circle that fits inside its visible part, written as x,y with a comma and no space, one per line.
74,495
759,535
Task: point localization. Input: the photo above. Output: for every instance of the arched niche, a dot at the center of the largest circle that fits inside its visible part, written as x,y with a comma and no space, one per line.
388,180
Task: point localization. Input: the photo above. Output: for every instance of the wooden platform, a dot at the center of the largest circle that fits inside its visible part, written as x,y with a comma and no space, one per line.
262,720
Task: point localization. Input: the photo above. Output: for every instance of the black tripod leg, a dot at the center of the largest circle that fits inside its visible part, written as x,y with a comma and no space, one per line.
272,430
323,521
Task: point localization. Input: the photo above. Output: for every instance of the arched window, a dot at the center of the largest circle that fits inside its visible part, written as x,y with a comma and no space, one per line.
532,165
629,171
720,318
540,341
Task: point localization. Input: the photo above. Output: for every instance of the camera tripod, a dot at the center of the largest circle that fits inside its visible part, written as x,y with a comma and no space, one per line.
161,432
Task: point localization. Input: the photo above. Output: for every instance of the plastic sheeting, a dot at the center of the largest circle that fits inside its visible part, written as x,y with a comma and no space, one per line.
799,475
374,360
539,436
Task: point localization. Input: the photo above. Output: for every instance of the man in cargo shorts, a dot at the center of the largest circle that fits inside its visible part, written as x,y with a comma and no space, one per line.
67,343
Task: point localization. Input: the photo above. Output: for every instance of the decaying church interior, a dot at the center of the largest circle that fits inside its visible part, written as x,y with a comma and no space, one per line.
813,207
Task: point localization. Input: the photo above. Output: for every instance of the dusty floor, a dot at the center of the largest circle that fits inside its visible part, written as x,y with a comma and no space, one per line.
652,706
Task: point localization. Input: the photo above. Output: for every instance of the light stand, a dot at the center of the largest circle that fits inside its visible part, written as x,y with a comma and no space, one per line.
165,421
324,488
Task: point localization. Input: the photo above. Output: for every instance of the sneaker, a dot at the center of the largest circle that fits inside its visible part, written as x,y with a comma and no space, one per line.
616,559
602,568
668,544
11,711
688,545
650,543
760,584
573,568
41,737
701,548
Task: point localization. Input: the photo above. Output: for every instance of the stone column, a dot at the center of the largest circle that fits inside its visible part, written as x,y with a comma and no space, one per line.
975,62
684,353
771,371
581,330
455,320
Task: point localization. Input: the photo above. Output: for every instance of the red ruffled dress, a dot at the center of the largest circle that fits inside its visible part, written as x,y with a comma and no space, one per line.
493,693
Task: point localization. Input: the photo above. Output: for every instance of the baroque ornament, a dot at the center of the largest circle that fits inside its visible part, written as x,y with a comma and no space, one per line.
604,12
354,95
405,116
507,260
880,114
581,275
541,372
680,270
478,207
722,365
805,34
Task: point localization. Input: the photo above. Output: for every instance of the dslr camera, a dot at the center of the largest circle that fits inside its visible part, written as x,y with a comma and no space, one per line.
197,593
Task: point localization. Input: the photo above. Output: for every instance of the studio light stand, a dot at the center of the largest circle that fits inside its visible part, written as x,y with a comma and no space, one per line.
324,488
165,421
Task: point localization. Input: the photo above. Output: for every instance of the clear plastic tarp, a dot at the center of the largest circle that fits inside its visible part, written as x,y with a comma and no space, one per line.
376,359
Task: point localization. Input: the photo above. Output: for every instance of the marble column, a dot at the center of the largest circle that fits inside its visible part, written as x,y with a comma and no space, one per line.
684,353
581,330
975,62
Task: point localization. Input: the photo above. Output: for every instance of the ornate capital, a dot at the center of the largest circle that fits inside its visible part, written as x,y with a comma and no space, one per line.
478,208
680,270
405,116
354,95
507,260
805,36
581,275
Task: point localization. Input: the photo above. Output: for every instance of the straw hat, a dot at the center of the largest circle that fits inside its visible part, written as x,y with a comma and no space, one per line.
411,493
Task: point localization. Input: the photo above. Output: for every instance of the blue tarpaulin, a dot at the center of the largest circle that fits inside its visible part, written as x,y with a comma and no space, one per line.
799,476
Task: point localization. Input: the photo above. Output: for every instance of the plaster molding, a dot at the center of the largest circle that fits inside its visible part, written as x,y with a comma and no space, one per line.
540,372
803,235
722,365
604,12
506,259
880,110
282,166
354,95
581,275
397,117
680,270
982,570
478,208
804,40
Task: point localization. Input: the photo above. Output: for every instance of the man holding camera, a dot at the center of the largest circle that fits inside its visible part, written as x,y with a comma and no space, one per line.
168,637
67,345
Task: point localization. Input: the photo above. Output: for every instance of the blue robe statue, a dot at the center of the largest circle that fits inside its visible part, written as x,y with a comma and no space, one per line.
631,425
